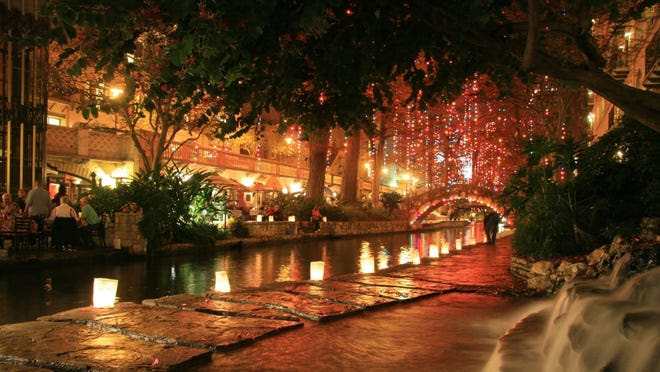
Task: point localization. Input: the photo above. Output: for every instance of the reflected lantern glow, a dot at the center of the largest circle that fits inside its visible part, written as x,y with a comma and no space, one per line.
105,291
222,282
473,241
433,251
459,244
405,255
367,265
445,248
316,269
415,257
292,218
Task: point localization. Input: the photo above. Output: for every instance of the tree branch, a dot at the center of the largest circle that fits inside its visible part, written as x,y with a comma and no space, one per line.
532,34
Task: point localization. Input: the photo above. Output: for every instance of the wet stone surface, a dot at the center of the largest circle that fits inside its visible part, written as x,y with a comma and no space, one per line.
347,297
172,326
191,302
307,307
388,280
390,292
65,346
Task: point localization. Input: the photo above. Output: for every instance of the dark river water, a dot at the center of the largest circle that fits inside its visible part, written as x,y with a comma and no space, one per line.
28,294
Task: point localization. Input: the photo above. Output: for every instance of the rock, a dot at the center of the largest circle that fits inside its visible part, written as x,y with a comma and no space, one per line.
541,283
569,271
619,247
542,268
650,229
598,258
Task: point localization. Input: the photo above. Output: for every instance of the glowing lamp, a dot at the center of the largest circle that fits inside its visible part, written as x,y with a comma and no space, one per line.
292,218
105,291
222,282
324,219
445,248
433,251
260,218
459,244
316,269
271,218
367,265
485,239
473,241
415,257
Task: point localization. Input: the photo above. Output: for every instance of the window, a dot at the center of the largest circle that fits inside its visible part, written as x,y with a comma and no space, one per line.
52,120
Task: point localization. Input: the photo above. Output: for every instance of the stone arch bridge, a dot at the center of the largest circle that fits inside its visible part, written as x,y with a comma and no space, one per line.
422,205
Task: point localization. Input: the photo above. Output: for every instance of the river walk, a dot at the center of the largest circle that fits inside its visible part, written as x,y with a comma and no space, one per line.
183,330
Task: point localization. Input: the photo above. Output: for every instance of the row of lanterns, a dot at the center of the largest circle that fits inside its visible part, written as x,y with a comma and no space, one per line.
105,290
260,218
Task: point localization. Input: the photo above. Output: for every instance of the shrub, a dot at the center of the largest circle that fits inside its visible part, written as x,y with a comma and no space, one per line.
391,200
619,180
237,229
541,195
570,198
176,203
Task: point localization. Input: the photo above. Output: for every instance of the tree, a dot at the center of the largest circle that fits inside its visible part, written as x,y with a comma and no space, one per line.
153,95
325,63
350,179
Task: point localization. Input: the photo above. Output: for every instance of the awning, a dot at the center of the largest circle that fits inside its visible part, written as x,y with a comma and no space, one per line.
261,187
274,183
227,182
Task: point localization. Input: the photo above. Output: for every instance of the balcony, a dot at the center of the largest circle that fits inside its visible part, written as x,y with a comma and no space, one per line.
108,146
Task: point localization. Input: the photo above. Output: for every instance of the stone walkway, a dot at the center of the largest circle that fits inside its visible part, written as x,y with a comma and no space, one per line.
175,332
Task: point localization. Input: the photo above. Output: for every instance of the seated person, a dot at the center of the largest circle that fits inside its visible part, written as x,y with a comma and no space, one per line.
7,213
8,208
65,225
90,221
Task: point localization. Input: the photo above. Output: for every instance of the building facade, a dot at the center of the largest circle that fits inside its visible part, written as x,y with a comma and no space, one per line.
23,99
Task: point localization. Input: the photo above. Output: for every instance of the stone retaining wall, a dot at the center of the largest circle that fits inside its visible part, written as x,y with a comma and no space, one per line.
126,229
271,228
363,227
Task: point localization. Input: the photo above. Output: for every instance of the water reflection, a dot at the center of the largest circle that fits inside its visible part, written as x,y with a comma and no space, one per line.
366,258
28,294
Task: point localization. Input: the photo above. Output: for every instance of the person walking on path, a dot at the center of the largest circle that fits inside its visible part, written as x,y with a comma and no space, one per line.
491,222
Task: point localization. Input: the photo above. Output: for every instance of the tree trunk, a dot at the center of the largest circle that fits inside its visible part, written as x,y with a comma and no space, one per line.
641,105
378,165
318,147
349,180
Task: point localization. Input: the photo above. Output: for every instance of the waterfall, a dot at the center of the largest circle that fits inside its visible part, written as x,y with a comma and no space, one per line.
593,325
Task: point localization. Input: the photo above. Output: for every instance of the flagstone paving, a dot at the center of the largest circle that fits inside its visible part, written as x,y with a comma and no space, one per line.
385,291
205,304
173,326
76,347
317,309
383,280
345,297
